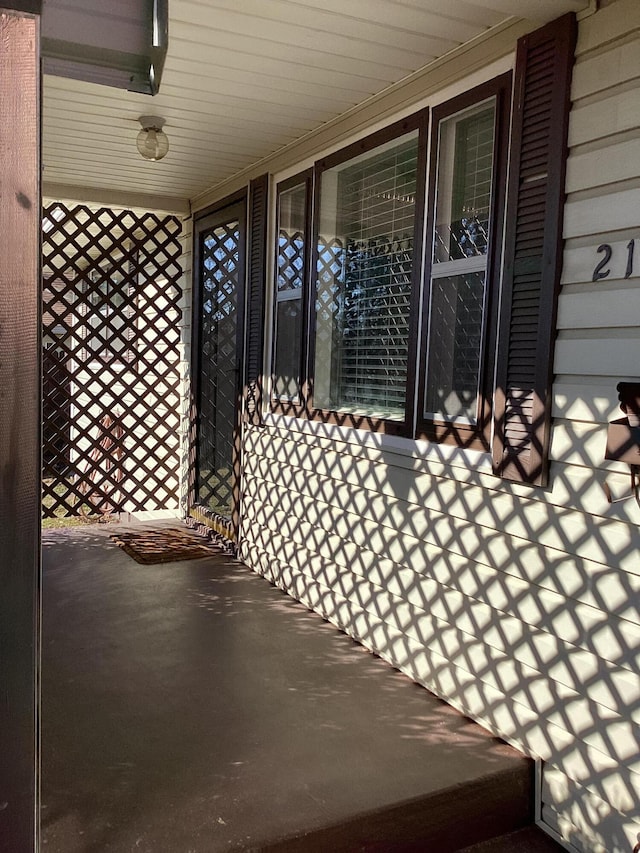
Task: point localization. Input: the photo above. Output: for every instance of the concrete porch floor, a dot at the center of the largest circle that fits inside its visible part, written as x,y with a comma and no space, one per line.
192,706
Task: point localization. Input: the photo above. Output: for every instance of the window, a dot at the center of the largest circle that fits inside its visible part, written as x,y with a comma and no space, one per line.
357,360
365,255
293,200
468,174
459,265
383,344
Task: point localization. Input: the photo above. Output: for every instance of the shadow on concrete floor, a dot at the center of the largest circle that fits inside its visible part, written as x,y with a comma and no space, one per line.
192,706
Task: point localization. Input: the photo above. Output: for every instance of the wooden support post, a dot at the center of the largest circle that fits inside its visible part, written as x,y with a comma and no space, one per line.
20,230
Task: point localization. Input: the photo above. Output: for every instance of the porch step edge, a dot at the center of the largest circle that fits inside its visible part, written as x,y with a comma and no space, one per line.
449,820
528,840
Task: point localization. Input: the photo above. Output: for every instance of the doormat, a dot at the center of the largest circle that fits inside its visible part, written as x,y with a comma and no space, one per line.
163,546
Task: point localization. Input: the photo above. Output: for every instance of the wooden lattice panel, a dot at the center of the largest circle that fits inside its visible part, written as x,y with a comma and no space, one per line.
111,380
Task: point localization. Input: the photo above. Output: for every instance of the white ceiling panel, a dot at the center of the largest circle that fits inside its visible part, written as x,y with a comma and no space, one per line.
243,78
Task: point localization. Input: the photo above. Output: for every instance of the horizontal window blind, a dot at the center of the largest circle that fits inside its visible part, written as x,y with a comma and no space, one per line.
364,282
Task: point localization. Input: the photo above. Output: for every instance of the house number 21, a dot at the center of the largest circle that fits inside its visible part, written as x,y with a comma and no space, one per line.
602,269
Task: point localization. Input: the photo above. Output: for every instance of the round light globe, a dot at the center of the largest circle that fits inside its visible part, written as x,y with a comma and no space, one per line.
152,143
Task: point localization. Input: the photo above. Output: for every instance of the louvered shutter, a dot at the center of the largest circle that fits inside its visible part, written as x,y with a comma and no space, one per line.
533,251
256,282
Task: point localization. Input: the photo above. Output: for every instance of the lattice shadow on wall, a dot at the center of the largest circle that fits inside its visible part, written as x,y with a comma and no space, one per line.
111,379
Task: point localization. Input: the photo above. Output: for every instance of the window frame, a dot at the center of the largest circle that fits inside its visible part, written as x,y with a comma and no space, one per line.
281,405
462,433
416,122
426,122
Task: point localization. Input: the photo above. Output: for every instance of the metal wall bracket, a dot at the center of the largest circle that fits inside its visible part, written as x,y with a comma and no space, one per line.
635,488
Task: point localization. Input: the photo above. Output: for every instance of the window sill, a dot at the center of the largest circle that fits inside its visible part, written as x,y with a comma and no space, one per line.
343,418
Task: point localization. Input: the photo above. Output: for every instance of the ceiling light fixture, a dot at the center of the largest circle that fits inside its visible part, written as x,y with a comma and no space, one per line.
152,142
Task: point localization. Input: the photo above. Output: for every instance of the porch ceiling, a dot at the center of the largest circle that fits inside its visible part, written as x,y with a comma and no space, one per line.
243,79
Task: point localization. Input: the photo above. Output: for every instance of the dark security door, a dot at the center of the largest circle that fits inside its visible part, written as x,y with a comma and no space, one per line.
218,311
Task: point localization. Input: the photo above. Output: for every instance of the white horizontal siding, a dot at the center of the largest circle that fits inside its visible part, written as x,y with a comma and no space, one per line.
453,491
611,113
598,345
598,71
608,29
587,307
600,354
460,540
443,583
616,211
586,398
605,164
464,679
585,818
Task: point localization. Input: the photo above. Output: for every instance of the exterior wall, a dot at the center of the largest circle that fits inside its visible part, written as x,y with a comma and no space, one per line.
517,605
598,345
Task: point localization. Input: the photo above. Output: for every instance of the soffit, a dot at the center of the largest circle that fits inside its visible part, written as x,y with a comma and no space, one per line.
243,79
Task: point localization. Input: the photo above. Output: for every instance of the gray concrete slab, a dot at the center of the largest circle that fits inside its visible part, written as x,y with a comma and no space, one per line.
192,706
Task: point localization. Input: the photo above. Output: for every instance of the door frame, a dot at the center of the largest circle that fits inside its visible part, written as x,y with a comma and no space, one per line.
228,528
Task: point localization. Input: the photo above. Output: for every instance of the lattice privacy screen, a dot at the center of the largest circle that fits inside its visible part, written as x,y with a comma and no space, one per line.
111,361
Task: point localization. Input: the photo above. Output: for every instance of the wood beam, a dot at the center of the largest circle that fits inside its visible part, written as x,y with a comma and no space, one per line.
19,426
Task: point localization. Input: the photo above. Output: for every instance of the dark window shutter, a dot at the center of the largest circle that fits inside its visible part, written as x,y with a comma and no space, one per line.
256,283
533,251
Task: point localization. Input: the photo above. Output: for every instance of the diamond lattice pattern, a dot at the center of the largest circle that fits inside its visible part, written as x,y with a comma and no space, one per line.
111,365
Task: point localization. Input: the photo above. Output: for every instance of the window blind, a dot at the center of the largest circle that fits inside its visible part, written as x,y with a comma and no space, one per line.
364,282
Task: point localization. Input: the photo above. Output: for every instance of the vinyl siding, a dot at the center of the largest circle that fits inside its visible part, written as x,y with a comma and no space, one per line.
518,605
598,345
